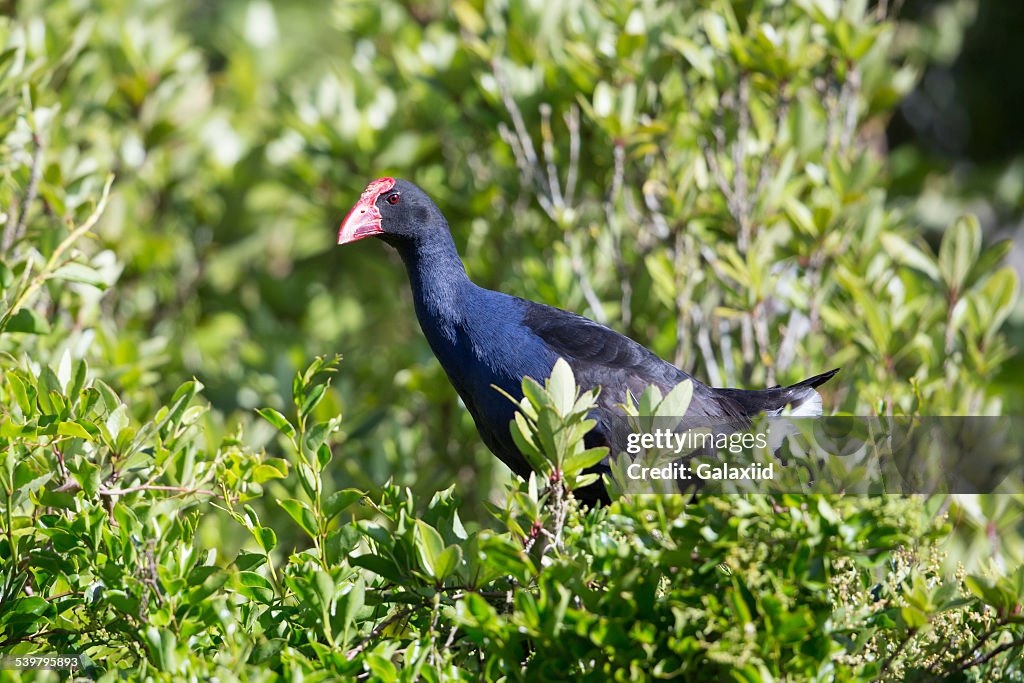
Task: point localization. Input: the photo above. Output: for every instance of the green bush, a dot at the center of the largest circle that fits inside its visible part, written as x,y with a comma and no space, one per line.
750,587
702,176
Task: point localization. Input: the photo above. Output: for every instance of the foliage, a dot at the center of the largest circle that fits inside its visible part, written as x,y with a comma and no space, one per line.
709,185
701,176
753,587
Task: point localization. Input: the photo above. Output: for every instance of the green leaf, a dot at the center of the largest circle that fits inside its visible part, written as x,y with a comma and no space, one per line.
447,562
79,272
312,399
279,421
677,401
123,602
990,593
959,251
88,477
562,387
20,391
78,382
339,500
347,609
341,542
800,215
29,322
74,429
308,479
255,587
210,585
324,455
577,462
34,606
381,566
989,259
301,513
429,545
265,537
249,561
265,472
905,253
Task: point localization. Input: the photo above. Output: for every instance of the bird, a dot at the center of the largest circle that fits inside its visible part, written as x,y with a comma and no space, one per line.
487,340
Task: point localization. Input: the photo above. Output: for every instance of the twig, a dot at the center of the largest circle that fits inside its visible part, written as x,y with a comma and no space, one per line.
739,171
995,628
794,330
982,659
527,160
683,286
725,340
711,158
747,345
766,167
155,487
397,616
654,207
618,180
760,324
576,263
451,637
848,99
15,230
41,634
704,344
895,653
548,148
572,122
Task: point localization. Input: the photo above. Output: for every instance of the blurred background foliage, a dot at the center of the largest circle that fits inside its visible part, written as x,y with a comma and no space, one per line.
756,190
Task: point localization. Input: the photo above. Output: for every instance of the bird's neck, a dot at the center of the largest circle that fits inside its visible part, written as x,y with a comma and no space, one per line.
440,286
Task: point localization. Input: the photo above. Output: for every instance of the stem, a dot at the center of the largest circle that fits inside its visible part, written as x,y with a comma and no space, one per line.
51,264
977,645
155,487
377,631
9,495
982,659
15,230
892,657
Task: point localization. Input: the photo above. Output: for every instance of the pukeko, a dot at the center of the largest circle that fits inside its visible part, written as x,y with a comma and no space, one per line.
485,339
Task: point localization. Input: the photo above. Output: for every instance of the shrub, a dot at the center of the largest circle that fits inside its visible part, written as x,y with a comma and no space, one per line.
755,587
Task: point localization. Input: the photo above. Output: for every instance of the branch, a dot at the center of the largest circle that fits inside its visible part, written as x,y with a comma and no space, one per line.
354,652
155,487
895,653
964,658
982,659
704,345
739,171
618,180
572,122
548,147
15,230
848,98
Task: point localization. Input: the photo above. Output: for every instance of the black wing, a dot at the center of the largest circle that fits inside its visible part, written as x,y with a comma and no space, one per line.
602,357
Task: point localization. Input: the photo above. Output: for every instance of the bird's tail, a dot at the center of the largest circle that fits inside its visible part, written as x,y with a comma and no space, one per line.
801,398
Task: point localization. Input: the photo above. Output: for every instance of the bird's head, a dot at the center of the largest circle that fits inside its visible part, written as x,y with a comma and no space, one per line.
394,210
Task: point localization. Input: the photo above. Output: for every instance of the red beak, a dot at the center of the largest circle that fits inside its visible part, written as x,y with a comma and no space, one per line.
364,220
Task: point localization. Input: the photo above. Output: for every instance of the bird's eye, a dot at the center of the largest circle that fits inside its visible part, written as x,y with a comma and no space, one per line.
392,199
